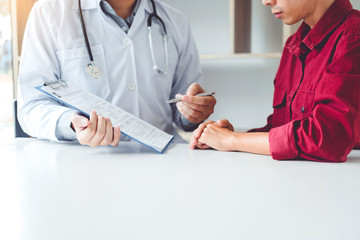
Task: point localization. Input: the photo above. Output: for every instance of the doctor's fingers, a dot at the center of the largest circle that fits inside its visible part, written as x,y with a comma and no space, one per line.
92,125
100,133
206,109
85,136
190,114
112,135
199,112
203,101
79,123
194,89
109,133
117,135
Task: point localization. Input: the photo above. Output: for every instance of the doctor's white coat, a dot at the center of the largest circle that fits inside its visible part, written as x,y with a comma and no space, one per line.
54,45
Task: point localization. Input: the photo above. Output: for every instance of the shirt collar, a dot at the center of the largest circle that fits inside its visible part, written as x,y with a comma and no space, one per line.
329,21
108,9
86,4
136,8
92,4
148,7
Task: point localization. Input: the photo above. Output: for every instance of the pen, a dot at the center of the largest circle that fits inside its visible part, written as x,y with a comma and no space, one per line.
205,94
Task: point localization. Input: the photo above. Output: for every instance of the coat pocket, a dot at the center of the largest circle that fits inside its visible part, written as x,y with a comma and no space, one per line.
73,63
302,105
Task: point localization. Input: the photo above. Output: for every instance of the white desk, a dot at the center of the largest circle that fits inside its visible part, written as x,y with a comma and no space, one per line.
53,191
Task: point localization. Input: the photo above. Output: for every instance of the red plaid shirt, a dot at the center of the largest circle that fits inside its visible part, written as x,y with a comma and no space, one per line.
317,90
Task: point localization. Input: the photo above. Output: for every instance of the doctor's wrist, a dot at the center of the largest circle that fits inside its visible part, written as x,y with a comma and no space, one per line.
186,125
64,131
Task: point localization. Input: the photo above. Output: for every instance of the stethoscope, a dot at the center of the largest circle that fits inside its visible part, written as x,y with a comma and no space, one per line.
94,71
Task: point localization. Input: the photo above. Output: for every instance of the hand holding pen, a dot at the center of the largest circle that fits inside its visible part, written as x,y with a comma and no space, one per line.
197,105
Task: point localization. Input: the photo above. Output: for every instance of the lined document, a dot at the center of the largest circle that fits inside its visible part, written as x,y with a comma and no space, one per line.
130,125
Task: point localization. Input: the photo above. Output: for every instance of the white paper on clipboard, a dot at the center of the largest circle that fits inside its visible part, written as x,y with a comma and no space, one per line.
72,96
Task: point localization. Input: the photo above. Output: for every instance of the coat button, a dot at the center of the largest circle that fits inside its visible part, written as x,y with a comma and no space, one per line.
127,41
131,86
302,109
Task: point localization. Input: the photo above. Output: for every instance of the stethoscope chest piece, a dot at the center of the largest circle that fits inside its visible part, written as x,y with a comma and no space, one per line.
93,70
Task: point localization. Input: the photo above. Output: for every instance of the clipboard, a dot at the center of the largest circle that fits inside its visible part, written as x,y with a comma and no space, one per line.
131,126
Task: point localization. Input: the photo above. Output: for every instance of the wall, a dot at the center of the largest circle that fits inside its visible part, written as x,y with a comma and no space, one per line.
356,4
244,89
210,24
266,30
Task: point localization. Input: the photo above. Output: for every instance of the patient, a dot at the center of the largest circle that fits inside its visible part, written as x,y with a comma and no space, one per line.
317,89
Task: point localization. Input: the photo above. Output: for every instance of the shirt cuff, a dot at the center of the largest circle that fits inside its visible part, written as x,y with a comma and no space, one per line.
63,130
282,142
187,125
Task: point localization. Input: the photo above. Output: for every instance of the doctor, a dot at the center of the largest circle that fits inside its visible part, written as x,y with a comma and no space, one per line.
135,54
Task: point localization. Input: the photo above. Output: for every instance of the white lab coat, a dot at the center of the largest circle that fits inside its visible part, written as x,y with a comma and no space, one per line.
54,44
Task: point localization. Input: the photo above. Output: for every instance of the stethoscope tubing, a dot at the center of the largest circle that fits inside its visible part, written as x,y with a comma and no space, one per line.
155,15
85,34
95,72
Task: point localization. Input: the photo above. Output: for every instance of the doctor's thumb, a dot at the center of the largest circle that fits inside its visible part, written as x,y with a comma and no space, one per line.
84,123
80,123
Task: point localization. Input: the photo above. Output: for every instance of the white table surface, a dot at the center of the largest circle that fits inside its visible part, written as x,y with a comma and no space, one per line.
52,191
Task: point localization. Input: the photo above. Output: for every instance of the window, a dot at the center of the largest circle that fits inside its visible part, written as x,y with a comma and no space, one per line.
6,83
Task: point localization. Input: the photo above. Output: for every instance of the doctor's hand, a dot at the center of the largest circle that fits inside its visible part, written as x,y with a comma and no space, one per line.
98,131
195,109
201,136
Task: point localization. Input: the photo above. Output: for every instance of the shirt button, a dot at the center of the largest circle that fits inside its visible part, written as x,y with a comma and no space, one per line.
132,86
302,109
124,29
127,41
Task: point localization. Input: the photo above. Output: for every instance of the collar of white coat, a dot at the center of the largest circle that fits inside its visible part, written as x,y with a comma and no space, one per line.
92,4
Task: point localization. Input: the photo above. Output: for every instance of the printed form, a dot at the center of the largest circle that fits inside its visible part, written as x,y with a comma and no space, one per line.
130,125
